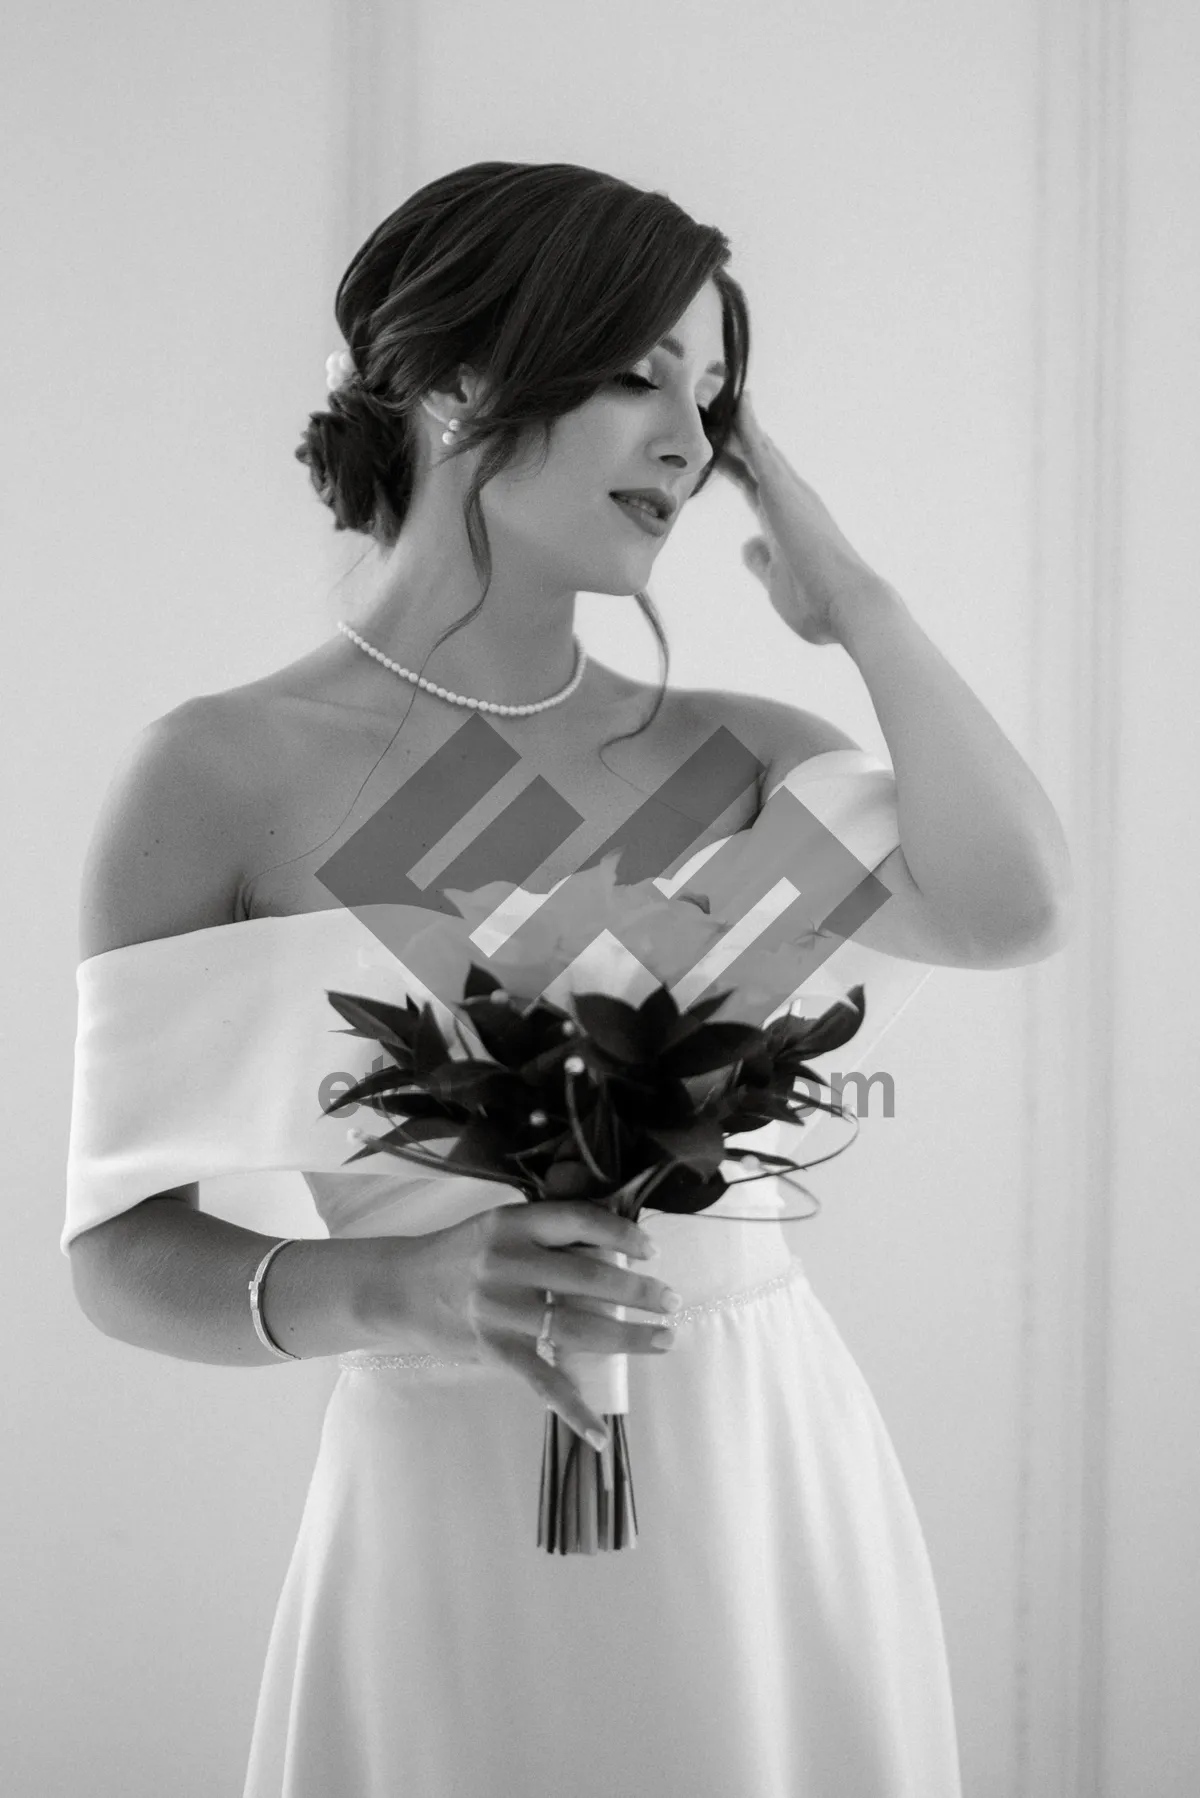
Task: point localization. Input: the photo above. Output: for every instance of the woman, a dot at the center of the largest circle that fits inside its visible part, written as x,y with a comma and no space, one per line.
525,343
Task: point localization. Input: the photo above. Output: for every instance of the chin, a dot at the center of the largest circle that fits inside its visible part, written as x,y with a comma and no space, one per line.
618,590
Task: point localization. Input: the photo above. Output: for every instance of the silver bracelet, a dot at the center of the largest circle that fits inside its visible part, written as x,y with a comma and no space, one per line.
264,1335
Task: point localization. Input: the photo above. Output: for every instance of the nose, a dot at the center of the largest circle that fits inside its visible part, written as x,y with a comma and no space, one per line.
694,451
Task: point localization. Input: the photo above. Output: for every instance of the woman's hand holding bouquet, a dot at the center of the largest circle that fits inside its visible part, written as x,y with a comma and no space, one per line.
477,1289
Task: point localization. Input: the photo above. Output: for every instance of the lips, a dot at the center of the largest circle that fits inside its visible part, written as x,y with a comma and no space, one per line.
657,499
645,520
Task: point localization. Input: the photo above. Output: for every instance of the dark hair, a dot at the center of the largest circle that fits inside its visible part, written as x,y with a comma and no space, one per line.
548,280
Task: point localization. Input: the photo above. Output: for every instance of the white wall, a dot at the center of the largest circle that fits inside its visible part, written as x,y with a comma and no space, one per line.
172,245
1150,1457
972,333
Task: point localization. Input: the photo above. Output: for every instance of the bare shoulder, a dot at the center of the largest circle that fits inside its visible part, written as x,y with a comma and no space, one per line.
165,851
227,745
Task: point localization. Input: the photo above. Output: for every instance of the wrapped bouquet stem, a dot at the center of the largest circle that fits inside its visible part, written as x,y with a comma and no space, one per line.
616,1103
586,1500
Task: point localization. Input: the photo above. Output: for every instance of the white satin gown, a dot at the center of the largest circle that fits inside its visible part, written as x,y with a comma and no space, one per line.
774,1633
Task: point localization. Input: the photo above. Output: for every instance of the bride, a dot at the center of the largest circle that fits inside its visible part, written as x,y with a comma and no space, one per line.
544,366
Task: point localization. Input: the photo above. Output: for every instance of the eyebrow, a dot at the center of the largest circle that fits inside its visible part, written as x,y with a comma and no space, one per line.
676,348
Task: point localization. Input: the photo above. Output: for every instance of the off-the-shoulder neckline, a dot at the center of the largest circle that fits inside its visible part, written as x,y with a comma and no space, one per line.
343,913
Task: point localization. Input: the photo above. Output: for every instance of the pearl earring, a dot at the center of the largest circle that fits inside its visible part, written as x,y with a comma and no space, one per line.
448,434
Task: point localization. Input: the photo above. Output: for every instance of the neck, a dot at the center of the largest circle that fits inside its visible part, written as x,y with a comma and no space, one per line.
519,647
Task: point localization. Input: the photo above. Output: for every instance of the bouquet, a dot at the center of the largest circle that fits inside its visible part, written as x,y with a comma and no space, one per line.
617,1096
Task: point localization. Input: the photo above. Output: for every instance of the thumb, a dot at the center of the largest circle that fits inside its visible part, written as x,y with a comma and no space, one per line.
756,555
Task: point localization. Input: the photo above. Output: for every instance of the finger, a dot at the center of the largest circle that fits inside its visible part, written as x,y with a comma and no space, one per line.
739,472
734,462
578,1329
756,556
555,1388
584,1276
561,1223
747,417
575,1330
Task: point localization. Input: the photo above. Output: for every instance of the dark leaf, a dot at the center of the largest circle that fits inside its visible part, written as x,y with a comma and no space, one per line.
375,1018
713,1046
699,1145
614,1026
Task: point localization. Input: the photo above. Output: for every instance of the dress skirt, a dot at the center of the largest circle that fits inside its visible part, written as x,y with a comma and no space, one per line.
774,1633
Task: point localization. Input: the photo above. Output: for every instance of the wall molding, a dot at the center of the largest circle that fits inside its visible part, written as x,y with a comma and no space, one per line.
357,123
374,119
1076,598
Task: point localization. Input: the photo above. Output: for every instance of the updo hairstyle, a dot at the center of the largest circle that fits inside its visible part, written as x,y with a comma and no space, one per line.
548,280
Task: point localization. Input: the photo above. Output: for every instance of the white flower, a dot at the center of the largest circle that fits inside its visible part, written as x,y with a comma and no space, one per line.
338,369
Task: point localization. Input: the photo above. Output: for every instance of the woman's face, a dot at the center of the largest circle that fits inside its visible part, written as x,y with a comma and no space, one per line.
553,518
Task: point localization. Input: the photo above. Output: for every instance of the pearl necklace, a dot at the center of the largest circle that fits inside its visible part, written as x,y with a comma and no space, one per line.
476,705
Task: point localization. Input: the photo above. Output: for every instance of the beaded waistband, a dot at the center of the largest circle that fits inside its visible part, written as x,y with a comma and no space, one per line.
362,1361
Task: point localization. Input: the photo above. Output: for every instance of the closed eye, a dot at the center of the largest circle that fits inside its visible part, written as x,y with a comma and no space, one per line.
641,381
